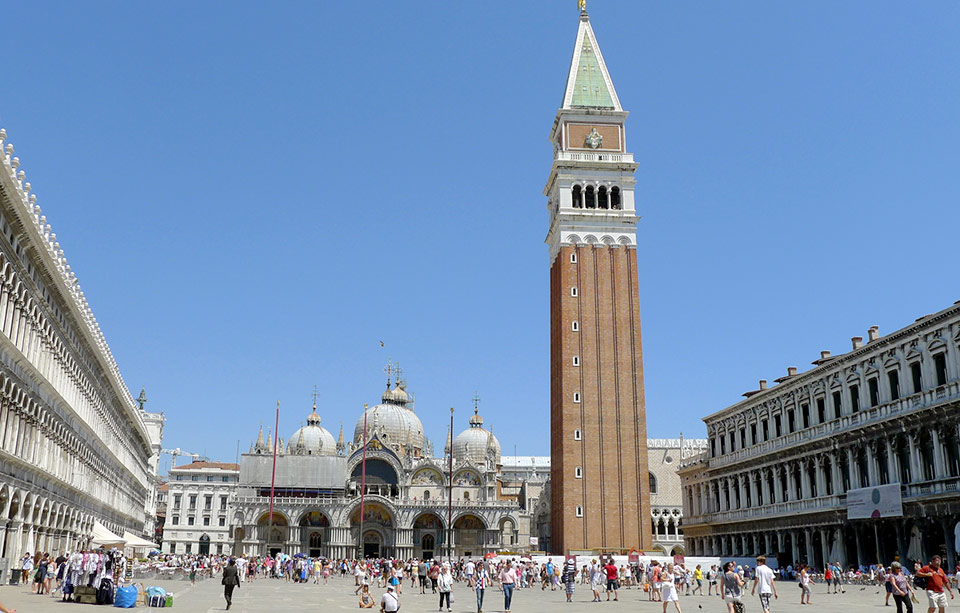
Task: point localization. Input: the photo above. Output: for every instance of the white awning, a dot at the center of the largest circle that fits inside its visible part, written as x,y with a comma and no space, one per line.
102,537
136,542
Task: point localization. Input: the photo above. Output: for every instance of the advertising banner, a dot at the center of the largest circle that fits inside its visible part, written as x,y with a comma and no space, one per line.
875,502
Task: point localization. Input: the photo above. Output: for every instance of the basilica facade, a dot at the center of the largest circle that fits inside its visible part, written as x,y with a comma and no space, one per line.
410,507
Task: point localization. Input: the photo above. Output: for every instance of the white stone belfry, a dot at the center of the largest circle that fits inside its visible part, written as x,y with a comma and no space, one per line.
590,187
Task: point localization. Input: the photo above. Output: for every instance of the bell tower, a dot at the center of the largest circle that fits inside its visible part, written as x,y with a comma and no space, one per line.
600,496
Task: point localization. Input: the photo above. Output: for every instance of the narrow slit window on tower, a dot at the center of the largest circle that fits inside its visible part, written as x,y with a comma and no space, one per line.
602,200
578,473
573,291
577,197
576,326
573,258
576,396
615,198
579,511
576,360
577,436
591,198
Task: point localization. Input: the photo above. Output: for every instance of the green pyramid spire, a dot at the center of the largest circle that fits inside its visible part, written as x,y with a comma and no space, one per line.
588,82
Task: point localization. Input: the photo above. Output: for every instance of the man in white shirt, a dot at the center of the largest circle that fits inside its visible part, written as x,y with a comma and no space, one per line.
468,569
764,579
389,603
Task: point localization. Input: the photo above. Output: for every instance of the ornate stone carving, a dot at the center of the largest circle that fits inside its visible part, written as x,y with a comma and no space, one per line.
594,139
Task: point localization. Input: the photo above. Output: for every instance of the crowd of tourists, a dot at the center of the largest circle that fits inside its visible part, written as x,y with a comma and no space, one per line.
103,569
661,582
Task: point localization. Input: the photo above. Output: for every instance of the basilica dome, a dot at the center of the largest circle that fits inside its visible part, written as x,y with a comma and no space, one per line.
393,422
312,439
476,444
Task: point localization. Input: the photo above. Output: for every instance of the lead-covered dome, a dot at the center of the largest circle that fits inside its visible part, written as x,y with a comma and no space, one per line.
393,422
476,444
312,439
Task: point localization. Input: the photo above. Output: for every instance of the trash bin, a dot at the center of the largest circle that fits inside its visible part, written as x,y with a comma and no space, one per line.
15,576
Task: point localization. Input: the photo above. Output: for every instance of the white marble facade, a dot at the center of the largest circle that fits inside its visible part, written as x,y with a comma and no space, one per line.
75,447
775,476
407,507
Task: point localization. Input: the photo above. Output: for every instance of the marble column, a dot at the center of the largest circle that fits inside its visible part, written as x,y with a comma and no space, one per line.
915,473
938,463
824,546
871,465
852,469
808,538
861,557
892,469
819,476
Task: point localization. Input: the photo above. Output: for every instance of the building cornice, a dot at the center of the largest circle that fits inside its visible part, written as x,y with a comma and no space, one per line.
836,363
47,249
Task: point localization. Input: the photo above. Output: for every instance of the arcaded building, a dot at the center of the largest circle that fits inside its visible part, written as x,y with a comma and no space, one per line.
856,460
76,449
664,456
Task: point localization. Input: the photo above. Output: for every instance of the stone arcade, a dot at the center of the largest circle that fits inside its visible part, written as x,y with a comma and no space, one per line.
775,477
75,447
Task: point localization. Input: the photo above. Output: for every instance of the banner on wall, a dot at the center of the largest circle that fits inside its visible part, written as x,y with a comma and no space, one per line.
875,502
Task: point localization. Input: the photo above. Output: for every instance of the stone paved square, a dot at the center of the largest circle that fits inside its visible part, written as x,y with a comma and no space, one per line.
275,595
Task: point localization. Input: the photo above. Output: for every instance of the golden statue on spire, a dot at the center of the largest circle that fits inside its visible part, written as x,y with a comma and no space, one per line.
582,5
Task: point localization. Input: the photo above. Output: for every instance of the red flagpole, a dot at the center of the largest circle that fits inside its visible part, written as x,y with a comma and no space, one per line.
273,478
363,483
450,496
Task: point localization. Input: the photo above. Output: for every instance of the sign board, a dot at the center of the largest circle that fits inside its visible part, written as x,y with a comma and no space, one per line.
634,558
534,541
875,502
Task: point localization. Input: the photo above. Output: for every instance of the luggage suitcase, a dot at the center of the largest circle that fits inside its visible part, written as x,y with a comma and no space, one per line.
157,601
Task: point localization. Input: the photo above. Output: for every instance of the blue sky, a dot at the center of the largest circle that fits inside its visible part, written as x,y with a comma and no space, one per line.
254,195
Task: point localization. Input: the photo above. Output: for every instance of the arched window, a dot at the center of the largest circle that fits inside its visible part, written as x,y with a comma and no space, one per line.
591,198
577,197
602,201
426,495
653,484
615,198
